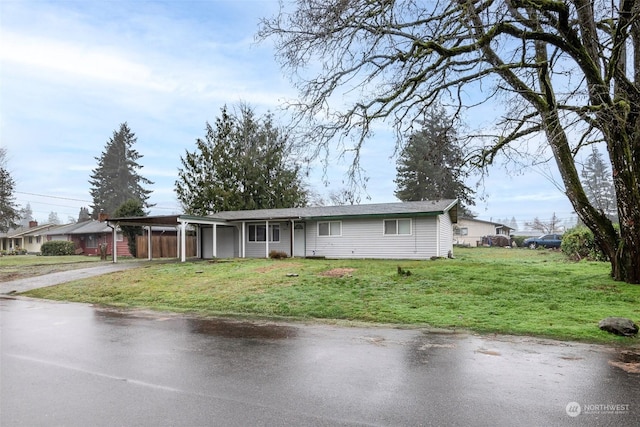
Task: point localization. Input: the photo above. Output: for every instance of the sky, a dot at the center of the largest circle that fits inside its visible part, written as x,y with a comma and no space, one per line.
72,72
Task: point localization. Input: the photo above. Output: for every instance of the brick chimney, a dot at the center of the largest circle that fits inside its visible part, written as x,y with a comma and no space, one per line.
33,224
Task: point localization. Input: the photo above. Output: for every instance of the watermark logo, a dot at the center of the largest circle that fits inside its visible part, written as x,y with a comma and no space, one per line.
573,409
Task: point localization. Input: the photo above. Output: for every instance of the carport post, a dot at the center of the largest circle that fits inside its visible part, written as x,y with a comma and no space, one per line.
215,240
183,241
149,247
266,254
293,239
244,239
178,227
114,244
198,241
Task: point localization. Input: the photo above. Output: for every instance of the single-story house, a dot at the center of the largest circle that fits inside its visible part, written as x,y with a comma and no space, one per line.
403,230
470,231
28,238
88,235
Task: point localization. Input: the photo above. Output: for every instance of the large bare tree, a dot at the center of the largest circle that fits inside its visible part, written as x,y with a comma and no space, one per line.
568,73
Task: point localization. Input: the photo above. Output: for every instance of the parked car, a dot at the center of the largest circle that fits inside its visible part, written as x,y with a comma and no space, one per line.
546,241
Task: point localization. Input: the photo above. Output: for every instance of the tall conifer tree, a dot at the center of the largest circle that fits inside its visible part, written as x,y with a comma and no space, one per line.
430,166
116,179
9,210
243,163
598,183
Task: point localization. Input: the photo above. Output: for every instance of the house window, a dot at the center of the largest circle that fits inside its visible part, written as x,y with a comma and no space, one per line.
38,239
30,239
397,226
461,231
258,233
330,228
92,241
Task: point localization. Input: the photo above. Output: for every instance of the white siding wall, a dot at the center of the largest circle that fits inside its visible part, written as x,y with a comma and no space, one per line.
446,234
365,238
226,238
258,249
475,231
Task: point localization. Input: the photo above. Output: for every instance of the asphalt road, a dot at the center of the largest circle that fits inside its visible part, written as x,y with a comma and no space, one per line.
78,365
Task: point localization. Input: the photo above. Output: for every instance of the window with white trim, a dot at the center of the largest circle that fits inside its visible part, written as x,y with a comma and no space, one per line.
258,233
330,228
461,231
394,227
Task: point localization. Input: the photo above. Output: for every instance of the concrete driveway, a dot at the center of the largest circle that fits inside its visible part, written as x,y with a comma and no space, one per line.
78,365
29,283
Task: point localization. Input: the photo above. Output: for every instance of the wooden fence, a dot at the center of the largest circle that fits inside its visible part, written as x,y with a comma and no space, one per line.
164,246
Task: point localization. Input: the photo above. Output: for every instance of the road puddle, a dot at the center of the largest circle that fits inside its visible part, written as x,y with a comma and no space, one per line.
239,329
227,328
628,361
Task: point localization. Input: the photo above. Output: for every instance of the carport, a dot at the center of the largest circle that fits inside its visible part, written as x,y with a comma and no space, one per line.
180,222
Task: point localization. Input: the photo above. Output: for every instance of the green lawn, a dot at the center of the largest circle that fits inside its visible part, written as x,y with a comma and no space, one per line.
510,291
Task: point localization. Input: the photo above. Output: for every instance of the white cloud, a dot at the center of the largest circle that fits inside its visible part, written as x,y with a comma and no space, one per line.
92,62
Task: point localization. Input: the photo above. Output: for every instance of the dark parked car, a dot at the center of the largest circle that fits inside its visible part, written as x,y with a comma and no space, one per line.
546,241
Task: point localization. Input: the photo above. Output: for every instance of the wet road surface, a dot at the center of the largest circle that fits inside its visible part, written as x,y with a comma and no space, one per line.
76,365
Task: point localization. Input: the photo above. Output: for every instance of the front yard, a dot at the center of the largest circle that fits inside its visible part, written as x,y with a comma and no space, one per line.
510,291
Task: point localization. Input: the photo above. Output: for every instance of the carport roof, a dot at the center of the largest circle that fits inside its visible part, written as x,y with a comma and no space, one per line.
161,220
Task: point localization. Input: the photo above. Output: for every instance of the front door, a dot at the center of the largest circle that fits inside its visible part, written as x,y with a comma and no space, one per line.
298,240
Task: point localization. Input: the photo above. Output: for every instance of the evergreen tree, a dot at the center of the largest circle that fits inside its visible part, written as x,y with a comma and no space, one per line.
598,184
116,179
243,163
84,215
26,215
53,218
131,208
9,211
430,166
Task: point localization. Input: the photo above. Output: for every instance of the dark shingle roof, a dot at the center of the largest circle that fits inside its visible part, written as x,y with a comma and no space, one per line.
84,227
426,207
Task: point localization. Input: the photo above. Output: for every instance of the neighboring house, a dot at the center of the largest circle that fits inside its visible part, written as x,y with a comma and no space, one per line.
470,231
88,235
28,238
404,230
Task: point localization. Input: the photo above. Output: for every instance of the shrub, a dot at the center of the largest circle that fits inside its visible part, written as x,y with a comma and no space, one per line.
518,241
277,254
578,243
58,247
